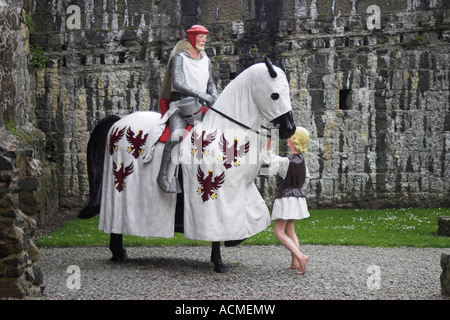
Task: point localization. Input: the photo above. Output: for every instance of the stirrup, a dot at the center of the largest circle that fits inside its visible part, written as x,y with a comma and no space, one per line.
175,183
175,186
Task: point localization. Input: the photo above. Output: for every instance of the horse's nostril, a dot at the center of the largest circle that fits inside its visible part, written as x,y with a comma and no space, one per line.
285,124
290,130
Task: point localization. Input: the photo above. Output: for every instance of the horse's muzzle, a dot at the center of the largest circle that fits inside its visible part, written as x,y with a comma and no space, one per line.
285,124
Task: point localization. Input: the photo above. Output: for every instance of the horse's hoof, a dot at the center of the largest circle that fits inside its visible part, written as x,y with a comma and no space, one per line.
119,259
122,257
221,269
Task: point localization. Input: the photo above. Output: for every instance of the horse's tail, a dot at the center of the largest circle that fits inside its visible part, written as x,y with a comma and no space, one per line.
95,158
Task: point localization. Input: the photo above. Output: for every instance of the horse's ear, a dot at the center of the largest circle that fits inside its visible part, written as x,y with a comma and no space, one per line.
282,65
270,67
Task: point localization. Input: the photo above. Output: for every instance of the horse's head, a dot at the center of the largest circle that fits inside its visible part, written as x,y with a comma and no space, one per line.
271,94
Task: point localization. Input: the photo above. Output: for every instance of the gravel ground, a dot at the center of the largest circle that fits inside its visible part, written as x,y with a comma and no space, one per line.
333,272
255,273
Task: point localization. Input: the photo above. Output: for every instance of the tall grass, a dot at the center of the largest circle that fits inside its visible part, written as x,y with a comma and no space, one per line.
374,228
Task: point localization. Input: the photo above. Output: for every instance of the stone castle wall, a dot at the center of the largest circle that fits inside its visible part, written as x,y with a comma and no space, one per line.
371,83
369,80
26,181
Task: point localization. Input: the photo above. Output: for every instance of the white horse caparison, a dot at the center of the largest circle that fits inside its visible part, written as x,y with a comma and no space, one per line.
219,161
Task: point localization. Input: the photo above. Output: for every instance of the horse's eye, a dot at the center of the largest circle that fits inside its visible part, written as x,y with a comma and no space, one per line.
275,96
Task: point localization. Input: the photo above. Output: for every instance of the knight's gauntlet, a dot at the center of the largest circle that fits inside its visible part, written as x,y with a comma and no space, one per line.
206,99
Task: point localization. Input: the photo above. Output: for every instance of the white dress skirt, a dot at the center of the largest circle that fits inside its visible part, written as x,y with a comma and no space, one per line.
290,208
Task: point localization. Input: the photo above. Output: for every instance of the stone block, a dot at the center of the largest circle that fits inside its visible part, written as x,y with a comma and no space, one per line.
38,276
8,201
8,288
29,184
33,252
18,288
5,163
9,247
445,275
28,203
444,226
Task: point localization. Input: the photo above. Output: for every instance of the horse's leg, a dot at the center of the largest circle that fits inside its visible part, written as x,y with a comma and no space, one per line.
179,209
117,248
217,259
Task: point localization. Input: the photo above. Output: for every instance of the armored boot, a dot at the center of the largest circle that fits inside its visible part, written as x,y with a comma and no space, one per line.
172,186
177,126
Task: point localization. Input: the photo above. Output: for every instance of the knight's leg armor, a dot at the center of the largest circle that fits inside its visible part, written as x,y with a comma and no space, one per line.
177,126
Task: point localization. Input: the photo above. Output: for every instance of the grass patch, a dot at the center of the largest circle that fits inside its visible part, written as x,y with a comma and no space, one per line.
79,233
373,228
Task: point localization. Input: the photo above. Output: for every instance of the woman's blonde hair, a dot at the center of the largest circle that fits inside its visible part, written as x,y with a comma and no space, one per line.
300,139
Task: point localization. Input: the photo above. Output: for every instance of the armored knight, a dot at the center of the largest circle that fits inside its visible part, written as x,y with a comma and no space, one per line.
188,83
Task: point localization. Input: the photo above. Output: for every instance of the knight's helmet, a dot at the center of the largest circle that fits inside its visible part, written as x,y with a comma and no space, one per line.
194,31
190,109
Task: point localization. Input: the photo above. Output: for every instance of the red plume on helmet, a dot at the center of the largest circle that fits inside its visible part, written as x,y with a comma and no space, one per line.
194,31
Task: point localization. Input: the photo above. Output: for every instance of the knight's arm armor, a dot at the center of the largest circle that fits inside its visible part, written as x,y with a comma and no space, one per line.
180,85
212,90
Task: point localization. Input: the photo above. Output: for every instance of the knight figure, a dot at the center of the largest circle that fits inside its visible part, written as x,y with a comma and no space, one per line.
187,85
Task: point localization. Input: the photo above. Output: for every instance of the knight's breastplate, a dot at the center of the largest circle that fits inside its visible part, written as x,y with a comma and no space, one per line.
291,186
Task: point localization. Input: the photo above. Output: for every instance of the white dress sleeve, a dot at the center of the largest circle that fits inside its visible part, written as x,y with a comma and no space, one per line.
307,177
277,165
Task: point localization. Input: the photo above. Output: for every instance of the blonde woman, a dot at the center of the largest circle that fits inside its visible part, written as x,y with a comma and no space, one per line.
290,199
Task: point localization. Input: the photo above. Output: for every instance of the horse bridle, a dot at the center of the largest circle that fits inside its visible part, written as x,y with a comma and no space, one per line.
273,74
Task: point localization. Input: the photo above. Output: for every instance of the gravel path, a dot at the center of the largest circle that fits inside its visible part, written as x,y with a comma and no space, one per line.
333,272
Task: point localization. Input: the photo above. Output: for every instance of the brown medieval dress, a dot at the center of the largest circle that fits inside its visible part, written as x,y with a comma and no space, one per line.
290,198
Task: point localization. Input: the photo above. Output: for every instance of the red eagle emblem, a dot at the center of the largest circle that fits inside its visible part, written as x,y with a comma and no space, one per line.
231,153
121,174
199,143
137,143
114,138
209,184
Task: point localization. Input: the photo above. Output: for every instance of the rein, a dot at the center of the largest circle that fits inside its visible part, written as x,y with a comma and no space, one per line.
237,122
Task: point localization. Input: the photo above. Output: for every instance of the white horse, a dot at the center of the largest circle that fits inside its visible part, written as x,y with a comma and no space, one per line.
219,161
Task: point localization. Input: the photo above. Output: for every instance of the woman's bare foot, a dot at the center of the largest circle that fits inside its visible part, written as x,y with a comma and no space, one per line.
303,263
294,264
291,267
